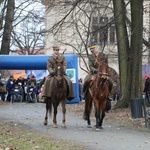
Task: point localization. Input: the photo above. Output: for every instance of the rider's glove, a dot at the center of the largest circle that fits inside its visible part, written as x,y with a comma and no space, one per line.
95,71
53,74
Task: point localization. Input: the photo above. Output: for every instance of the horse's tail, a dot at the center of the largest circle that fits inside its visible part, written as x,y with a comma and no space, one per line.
87,109
49,105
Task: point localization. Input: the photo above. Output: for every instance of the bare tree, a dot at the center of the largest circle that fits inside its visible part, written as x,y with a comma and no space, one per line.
8,27
130,56
29,38
11,17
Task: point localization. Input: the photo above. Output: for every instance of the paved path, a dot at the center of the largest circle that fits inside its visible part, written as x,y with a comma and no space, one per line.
109,138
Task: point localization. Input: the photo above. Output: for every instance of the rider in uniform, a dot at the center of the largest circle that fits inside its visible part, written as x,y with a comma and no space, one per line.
93,62
56,57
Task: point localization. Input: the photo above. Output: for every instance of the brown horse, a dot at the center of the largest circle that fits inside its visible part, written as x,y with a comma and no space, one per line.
58,95
97,92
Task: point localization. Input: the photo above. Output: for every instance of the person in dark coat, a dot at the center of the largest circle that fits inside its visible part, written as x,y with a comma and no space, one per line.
16,90
147,87
10,84
81,94
16,93
50,67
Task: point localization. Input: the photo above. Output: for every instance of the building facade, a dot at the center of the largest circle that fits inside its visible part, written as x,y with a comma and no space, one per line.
76,26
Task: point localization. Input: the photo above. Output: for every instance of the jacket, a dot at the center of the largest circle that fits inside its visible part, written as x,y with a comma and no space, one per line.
31,89
16,91
10,84
93,61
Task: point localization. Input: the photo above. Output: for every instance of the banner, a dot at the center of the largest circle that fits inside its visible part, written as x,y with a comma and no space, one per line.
39,74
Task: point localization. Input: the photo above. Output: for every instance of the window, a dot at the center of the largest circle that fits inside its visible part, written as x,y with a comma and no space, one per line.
112,34
101,32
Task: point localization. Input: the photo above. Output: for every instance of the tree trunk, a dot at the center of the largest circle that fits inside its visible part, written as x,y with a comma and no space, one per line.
8,27
135,59
123,48
130,58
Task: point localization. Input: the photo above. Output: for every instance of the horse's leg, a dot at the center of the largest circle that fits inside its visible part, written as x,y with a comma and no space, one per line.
64,113
55,114
102,114
97,114
46,115
101,119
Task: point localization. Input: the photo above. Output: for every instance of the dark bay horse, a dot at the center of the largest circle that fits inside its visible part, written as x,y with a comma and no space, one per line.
58,95
97,92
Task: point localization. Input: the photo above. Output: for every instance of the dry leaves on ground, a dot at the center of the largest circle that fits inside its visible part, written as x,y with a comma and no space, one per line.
118,117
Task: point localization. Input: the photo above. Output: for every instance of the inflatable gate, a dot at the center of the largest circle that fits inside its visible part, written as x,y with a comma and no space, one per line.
39,62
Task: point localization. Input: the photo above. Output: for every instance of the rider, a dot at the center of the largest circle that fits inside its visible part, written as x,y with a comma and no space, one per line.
93,61
50,67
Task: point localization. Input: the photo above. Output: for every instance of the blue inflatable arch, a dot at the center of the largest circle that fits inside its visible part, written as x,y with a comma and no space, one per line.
39,62
23,62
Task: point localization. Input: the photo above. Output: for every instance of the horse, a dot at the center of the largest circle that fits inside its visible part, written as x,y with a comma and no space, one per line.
97,92
58,95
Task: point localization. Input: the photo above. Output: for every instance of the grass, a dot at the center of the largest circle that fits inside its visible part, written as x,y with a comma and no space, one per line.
19,137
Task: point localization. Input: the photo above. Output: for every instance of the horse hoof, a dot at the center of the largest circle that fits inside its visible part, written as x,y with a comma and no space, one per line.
55,126
97,129
45,123
63,126
89,126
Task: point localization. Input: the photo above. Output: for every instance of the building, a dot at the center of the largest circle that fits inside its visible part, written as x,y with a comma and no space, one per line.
75,27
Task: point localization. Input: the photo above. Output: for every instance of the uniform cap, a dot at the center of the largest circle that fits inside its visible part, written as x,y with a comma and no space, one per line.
92,48
56,47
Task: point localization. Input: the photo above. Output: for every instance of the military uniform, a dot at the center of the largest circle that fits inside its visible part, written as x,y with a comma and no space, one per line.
46,91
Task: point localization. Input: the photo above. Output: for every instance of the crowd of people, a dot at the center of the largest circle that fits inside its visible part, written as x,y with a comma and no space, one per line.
21,89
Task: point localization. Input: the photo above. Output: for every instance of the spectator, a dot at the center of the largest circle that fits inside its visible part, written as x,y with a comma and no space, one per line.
16,93
81,96
2,90
10,84
20,81
25,80
32,80
147,87
31,93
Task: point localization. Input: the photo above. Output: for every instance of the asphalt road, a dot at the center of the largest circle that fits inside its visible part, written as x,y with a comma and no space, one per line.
109,138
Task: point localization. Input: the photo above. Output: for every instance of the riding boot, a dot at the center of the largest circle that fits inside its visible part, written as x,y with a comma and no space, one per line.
110,85
110,89
84,89
85,86
108,106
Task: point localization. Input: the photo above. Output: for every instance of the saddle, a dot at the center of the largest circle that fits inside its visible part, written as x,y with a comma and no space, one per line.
89,83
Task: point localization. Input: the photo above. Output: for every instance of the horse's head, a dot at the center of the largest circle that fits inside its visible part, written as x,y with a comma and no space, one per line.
103,69
59,69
